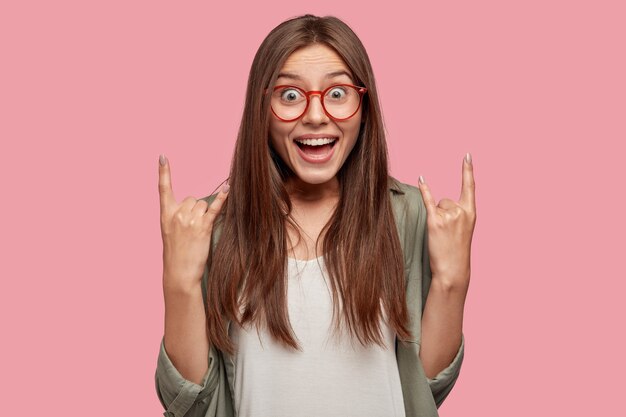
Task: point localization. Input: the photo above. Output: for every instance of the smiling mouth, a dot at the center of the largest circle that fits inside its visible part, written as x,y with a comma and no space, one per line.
316,147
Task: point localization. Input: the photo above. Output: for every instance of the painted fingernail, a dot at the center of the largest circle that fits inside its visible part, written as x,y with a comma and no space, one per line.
162,160
422,180
225,187
468,158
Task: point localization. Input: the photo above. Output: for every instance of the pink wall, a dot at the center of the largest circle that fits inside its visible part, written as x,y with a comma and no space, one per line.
92,92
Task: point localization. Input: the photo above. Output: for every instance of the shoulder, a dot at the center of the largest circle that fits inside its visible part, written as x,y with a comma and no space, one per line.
209,199
218,221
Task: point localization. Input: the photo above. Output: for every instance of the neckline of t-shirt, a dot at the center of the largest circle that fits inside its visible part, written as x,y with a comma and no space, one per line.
305,261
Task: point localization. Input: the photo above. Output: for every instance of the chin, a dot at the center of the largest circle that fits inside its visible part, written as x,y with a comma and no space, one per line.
316,178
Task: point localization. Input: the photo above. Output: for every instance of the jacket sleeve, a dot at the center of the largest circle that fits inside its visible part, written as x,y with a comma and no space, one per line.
442,383
179,396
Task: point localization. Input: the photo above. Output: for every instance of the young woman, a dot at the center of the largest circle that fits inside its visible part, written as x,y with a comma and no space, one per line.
309,285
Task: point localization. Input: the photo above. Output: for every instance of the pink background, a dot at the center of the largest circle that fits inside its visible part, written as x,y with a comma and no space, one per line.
92,92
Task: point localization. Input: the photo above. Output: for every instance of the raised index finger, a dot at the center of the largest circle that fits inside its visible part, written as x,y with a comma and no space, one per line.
429,201
166,194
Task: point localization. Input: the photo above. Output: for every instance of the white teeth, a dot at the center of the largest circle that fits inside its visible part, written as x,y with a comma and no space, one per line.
316,142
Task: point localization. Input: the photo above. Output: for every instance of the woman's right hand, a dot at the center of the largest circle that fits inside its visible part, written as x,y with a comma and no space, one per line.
186,231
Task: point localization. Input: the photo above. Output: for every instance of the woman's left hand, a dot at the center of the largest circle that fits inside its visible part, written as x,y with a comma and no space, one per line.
450,228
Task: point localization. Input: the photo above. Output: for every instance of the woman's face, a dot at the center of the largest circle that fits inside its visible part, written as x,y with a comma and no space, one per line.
314,67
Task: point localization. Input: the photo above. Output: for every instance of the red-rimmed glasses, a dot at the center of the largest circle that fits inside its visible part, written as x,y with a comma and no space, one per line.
339,101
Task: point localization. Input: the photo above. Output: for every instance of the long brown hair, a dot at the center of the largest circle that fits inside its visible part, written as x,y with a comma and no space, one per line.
361,247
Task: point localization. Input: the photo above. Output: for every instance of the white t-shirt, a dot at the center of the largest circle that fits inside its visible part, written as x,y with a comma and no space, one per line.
331,376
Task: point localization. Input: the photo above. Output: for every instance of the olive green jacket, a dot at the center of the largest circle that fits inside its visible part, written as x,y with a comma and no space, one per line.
422,395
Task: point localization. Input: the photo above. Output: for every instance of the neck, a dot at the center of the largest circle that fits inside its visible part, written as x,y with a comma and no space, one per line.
305,192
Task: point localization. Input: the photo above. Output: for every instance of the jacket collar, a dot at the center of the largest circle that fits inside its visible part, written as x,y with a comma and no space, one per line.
394,185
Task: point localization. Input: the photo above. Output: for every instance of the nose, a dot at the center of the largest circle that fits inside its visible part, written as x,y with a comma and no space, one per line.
315,114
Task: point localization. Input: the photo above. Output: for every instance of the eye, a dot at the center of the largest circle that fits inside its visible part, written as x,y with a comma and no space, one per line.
290,95
337,93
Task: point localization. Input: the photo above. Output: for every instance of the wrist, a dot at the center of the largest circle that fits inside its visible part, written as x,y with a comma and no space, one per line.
448,285
178,287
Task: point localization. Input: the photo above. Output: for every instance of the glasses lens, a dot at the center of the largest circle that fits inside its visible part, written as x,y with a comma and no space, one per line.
341,101
288,102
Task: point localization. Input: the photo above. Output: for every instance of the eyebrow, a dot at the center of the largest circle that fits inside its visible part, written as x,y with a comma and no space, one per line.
329,75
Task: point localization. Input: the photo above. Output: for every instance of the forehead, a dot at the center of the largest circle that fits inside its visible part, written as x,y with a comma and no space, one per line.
315,61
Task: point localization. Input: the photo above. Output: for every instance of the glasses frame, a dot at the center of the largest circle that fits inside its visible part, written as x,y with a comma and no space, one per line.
322,94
